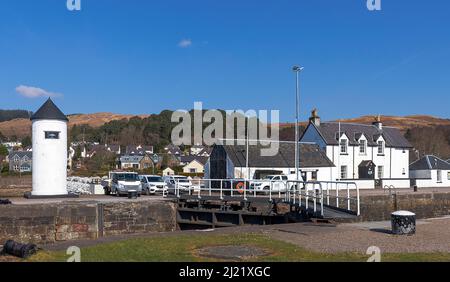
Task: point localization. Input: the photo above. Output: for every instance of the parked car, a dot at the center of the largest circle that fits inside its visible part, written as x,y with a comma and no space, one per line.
184,184
153,184
119,183
274,183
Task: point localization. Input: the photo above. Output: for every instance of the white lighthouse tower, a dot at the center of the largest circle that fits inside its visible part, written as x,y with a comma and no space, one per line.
49,151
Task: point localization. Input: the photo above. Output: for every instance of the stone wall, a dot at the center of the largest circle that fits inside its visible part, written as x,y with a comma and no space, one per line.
424,205
71,221
14,186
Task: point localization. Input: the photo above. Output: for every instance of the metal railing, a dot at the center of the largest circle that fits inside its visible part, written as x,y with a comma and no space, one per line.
311,194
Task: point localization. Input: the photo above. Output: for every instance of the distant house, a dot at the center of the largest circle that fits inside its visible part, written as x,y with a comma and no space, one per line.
173,150
206,152
168,171
12,144
136,162
20,161
94,149
430,171
185,160
196,149
229,162
138,150
196,165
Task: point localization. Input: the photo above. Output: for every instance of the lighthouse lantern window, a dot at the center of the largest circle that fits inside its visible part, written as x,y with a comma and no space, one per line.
51,135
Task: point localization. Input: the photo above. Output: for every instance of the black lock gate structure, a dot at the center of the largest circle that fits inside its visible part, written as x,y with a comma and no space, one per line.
215,203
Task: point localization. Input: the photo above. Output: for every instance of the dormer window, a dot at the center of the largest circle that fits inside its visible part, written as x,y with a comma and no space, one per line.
344,146
362,147
380,147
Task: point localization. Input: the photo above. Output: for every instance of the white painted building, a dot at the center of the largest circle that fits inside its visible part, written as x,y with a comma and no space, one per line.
430,171
49,134
371,155
168,172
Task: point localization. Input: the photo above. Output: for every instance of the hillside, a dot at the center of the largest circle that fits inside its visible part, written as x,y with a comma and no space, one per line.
7,115
402,123
22,127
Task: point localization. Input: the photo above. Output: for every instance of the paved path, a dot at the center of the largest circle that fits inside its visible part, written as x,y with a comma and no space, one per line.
433,235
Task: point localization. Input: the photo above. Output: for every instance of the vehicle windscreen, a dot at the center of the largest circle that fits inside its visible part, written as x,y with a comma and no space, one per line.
127,177
182,180
155,179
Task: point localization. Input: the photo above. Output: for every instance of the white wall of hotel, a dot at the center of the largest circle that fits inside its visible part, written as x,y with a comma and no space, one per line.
429,178
394,162
49,158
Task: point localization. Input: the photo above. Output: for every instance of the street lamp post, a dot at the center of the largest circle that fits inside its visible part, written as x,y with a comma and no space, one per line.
297,70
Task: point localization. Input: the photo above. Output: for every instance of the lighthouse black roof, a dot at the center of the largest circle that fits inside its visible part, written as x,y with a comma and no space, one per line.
49,111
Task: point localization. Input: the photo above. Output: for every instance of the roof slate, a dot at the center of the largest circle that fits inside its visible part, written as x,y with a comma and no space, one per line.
49,111
310,156
392,136
429,163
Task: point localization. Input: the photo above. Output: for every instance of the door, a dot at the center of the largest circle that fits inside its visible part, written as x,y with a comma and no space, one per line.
276,183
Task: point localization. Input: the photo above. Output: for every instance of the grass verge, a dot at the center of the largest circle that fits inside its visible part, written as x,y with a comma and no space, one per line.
183,249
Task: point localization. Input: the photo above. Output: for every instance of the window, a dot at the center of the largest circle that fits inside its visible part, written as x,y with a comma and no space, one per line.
439,176
344,172
448,175
362,147
380,172
404,172
51,135
314,176
192,170
344,146
16,168
16,159
380,148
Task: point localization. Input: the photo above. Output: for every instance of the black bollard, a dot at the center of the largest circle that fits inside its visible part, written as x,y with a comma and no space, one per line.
403,223
19,250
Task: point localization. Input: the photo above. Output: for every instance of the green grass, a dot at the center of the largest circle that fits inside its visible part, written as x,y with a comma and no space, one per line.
183,249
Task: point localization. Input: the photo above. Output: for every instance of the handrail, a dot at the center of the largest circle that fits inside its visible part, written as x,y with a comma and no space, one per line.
292,191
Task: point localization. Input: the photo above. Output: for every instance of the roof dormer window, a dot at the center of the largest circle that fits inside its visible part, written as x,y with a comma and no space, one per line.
380,147
362,147
344,146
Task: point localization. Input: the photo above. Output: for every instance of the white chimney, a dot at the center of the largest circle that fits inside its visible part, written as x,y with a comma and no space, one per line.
315,119
377,123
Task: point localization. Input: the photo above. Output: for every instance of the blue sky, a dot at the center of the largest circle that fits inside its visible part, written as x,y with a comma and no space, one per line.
139,57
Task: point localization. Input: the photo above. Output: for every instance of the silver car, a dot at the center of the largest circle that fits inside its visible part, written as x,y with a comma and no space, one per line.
153,184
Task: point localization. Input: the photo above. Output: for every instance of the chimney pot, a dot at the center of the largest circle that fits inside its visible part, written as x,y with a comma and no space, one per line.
377,123
315,119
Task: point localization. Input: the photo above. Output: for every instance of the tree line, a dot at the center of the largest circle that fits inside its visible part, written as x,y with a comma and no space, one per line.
7,115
